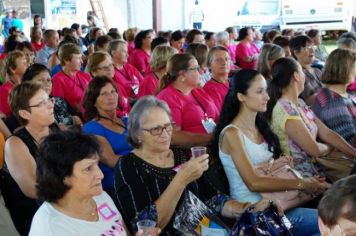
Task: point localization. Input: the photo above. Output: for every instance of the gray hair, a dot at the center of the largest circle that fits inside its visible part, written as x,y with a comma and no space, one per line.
138,115
222,38
212,51
346,43
269,52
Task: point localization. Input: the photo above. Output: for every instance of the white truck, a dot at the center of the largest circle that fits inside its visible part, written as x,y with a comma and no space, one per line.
318,14
261,14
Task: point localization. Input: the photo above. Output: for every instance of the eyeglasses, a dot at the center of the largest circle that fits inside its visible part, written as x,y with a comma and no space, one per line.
196,68
309,48
157,131
42,103
108,67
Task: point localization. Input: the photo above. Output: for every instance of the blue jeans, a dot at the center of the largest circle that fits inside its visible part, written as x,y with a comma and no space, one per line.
304,221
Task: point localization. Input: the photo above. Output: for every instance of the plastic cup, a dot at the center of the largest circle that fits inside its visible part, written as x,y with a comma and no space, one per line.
198,151
147,226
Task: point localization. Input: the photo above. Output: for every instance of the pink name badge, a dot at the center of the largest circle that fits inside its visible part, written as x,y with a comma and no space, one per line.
106,212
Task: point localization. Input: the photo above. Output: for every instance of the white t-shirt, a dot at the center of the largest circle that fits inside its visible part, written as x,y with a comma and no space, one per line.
49,221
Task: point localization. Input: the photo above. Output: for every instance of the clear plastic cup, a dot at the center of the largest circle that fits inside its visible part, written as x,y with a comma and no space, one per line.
197,151
147,226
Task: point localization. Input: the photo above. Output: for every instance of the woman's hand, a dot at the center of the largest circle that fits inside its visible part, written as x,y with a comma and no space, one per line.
193,169
153,232
315,185
265,204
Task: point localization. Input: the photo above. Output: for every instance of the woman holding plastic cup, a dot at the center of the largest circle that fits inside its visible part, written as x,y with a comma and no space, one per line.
151,181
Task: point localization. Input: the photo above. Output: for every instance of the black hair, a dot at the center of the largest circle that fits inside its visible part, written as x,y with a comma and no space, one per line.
33,70
177,35
141,36
158,41
299,42
282,71
57,155
75,26
240,83
243,32
208,35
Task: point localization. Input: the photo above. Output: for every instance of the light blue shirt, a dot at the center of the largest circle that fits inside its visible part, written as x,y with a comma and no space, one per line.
44,54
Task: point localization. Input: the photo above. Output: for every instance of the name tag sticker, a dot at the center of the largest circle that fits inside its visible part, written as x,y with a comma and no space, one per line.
106,212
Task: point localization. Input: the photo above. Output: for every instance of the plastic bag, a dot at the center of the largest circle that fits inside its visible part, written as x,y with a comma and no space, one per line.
193,217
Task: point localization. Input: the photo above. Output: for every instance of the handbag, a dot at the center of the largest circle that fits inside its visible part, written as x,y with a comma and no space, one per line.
336,165
283,168
267,223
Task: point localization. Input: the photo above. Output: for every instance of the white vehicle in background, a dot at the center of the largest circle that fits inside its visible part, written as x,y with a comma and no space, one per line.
323,14
261,14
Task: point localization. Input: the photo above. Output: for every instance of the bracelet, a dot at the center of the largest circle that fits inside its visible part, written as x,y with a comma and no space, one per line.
300,185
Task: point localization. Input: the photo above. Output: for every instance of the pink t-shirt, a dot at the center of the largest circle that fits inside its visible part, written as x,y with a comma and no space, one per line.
130,47
242,50
141,60
124,106
232,51
149,85
70,88
217,91
189,111
129,78
5,90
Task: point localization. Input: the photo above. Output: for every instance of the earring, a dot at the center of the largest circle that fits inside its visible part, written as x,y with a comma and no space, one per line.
183,79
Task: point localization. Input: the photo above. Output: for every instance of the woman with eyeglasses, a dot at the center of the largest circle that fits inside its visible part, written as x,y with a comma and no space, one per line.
150,181
33,108
303,50
100,64
193,111
125,74
100,104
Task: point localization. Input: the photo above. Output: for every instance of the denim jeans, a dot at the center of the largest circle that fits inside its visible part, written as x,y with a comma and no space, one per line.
304,221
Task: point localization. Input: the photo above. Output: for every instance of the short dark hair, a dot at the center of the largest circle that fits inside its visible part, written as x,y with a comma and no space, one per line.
57,155
339,201
313,33
92,93
243,33
297,43
177,35
101,41
33,70
75,26
282,41
189,38
158,41
19,98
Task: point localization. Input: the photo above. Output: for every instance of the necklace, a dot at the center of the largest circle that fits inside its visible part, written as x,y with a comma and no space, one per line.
112,121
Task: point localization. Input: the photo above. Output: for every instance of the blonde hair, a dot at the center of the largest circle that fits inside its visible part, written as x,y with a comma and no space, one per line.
94,60
10,61
160,56
66,52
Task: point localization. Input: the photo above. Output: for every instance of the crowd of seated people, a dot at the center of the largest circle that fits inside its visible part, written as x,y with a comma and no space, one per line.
96,131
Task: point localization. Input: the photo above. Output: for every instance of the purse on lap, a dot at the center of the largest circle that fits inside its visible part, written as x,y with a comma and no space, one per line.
283,168
336,165
266,223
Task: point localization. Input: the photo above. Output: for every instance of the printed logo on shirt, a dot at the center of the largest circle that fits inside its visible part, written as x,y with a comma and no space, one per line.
116,229
106,212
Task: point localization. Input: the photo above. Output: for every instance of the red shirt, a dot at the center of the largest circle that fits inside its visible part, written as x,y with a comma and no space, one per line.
242,50
5,90
70,88
217,91
38,46
188,111
129,78
149,85
141,60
